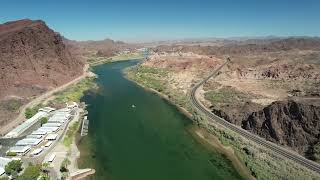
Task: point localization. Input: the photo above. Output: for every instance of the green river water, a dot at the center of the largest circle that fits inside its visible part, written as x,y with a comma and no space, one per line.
150,141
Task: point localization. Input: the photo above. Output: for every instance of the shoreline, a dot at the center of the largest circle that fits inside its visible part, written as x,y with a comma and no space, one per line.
197,132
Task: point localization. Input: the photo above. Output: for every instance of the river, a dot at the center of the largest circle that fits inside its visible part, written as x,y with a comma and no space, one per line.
136,135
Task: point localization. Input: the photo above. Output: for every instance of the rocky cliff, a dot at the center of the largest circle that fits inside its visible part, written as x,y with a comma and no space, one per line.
291,123
33,60
33,57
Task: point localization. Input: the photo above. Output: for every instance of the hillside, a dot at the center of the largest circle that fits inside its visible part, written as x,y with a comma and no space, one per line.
271,87
33,59
103,48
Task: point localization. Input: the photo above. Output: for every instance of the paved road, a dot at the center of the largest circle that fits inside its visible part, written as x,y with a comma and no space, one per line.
269,145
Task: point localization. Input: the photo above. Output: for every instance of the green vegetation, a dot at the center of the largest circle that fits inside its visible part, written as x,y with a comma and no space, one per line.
149,77
262,163
64,168
225,95
32,172
13,167
156,78
30,112
4,178
75,92
11,153
44,175
67,140
43,120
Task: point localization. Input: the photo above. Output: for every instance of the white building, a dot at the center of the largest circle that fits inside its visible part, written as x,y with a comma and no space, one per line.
72,105
20,150
3,163
52,125
36,151
48,144
49,129
51,137
50,158
38,132
29,142
33,136
47,109
16,132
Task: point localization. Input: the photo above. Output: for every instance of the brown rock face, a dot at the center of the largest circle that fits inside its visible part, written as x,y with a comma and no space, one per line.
291,123
33,57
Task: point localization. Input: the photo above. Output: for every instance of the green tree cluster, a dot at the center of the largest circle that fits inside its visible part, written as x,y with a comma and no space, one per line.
43,120
32,172
13,167
30,112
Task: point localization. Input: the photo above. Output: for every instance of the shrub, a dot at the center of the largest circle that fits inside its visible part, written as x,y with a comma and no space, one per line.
13,166
11,154
30,173
30,112
43,120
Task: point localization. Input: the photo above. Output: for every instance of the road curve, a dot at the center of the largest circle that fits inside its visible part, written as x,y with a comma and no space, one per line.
269,145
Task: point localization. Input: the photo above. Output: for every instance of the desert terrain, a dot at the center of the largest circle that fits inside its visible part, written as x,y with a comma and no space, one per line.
270,87
33,60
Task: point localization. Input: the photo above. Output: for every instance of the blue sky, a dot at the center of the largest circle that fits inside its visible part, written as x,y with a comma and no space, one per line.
146,20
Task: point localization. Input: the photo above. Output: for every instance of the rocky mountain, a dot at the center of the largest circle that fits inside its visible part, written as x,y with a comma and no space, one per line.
104,48
270,87
291,123
245,47
33,59
33,56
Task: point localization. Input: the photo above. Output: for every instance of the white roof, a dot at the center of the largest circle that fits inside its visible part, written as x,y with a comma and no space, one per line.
4,161
48,144
25,125
48,129
63,110
57,119
39,132
19,149
72,105
28,141
50,158
47,109
36,151
35,136
1,171
51,124
52,136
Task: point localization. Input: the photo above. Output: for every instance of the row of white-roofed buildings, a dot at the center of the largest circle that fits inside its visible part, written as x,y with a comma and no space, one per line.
40,138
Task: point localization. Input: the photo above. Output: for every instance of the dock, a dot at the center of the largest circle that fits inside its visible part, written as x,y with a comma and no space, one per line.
85,126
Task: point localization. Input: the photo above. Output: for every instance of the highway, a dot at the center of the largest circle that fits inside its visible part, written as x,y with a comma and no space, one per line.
267,144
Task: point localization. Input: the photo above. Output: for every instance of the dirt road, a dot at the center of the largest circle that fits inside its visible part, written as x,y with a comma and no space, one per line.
21,117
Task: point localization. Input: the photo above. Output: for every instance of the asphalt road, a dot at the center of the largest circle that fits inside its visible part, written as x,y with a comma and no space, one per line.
269,145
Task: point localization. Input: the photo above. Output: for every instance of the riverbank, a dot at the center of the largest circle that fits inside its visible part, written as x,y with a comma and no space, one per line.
158,131
199,133
98,60
261,163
